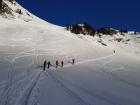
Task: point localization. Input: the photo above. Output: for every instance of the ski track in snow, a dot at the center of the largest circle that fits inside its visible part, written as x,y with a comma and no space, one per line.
68,90
9,84
26,53
61,81
83,89
86,61
110,73
30,90
96,59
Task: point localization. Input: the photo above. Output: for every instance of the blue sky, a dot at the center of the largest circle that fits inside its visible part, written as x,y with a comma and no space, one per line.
120,14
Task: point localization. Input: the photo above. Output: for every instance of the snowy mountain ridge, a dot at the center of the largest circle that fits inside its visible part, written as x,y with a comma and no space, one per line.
15,11
126,40
11,10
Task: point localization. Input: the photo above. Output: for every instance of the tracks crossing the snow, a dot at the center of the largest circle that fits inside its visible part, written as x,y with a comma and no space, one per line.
6,93
117,77
63,82
68,90
4,99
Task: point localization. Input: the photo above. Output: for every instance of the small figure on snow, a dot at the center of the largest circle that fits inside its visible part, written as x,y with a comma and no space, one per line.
114,51
57,63
73,61
49,63
44,65
62,63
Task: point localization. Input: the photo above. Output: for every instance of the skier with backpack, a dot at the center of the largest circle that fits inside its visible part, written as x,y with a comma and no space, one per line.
49,63
62,63
57,63
73,61
44,65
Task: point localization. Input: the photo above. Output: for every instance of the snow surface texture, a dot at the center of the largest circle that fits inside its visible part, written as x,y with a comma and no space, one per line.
99,76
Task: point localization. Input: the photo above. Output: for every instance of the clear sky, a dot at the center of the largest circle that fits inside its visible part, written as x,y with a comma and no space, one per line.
120,14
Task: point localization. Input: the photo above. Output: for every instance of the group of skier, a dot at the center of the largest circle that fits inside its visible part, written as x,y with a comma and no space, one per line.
48,64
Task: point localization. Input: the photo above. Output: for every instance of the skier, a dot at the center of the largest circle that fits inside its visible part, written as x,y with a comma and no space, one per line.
49,63
57,63
44,65
62,63
73,61
114,51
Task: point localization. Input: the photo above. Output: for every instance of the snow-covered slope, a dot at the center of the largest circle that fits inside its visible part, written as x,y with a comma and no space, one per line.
99,76
128,42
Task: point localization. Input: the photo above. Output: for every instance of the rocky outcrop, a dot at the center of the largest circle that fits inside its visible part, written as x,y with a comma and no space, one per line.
12,10
107,31
84,29
11,0
1,2
4,8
